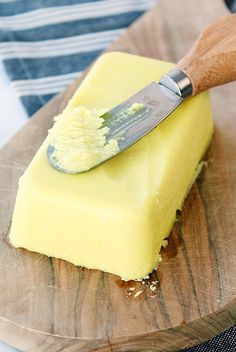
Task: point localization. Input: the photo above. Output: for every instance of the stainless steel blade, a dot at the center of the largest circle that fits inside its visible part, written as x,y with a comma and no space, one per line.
128,126
158,102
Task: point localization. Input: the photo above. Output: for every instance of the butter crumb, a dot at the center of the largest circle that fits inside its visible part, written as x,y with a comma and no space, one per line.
136,107
153,288
155,282
146,277
164,243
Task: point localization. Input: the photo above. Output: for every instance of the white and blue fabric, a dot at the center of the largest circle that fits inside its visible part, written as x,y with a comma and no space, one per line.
46,44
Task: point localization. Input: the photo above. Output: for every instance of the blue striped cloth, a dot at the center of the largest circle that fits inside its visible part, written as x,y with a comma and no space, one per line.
45,44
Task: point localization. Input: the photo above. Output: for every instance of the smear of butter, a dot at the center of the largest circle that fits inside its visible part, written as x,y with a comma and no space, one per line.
136,107
79,140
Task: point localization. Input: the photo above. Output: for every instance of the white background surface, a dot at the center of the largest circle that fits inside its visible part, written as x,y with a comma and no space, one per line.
12,117
12,113
5,348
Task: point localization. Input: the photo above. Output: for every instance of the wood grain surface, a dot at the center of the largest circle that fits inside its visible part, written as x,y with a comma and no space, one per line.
49,305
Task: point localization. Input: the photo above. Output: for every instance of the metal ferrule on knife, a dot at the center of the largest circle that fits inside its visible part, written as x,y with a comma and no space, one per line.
178,82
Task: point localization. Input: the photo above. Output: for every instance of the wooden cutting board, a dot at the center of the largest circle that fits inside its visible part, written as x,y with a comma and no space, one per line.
50,305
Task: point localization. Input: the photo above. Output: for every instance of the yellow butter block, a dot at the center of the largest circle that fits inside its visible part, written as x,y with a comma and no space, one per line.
115,217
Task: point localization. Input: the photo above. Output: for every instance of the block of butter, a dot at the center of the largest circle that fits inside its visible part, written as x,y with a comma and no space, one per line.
116,216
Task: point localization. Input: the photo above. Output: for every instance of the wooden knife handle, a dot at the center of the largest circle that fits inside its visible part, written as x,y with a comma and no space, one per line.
212,59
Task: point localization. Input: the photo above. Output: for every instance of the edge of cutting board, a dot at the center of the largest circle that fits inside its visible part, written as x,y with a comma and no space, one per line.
196,313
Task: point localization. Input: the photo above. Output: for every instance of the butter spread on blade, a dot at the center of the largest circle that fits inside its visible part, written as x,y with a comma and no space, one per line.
79,140
136,107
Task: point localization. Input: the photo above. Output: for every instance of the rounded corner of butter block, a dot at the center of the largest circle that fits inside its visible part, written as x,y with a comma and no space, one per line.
106,58
125,54
111,54
12,239
118,56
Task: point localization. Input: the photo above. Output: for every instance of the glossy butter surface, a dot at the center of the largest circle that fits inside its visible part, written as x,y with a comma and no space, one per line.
115,217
